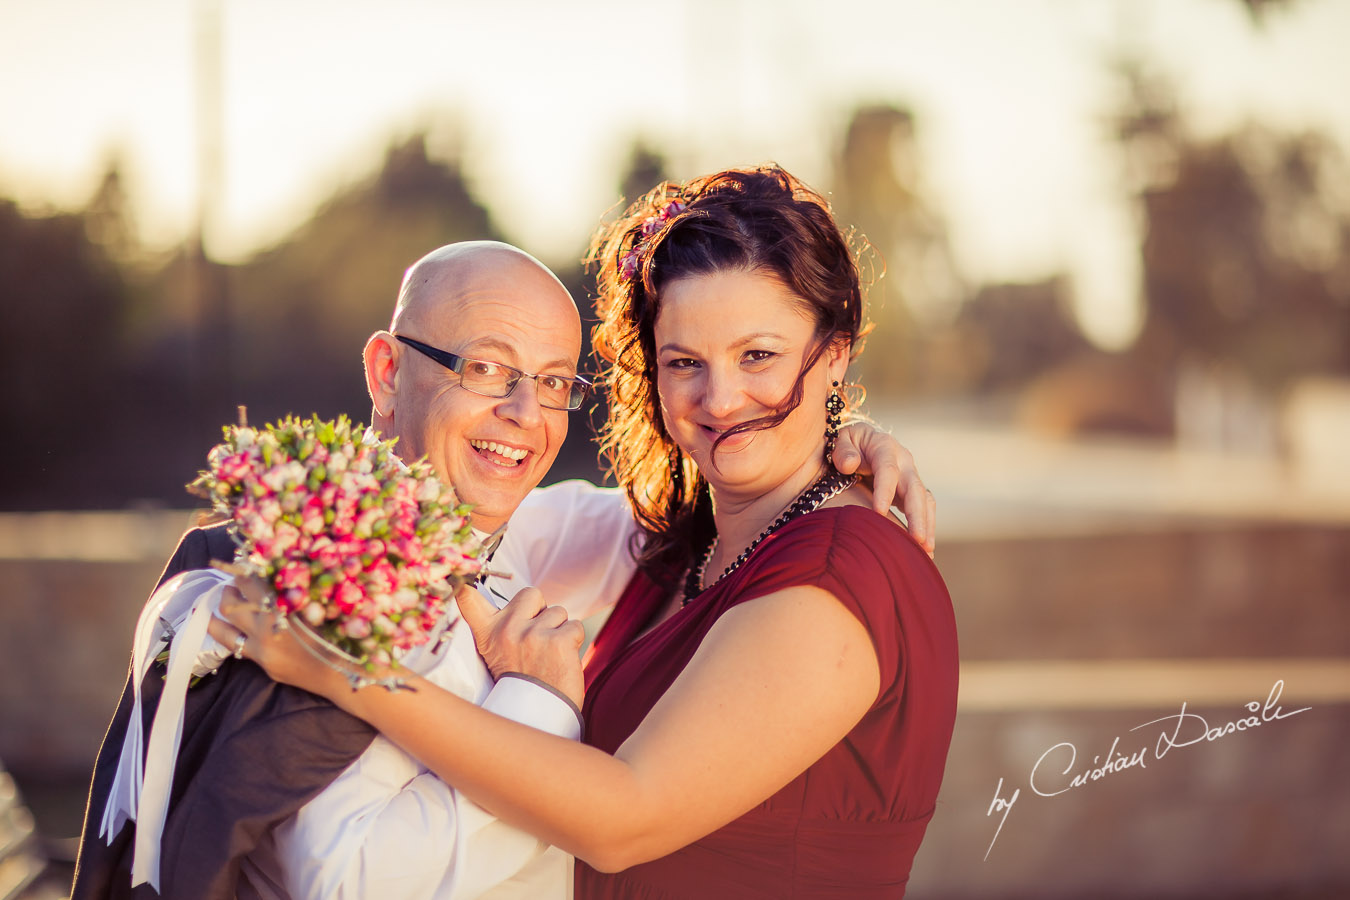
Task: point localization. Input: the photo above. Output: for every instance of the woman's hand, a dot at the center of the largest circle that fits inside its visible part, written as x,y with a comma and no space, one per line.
867,450
250,628
528,638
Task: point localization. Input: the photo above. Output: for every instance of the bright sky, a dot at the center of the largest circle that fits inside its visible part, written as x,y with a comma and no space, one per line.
541,97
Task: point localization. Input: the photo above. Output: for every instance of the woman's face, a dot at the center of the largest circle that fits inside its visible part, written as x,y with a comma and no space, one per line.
729,347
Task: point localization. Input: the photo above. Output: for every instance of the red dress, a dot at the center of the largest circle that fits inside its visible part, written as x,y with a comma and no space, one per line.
850,824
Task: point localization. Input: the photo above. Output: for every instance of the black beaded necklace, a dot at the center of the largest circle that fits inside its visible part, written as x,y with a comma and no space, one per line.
827,486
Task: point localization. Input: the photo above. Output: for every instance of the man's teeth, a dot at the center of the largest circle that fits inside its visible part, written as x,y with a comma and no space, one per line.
500,449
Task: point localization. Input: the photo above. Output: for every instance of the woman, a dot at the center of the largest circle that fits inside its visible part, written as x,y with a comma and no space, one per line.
769,707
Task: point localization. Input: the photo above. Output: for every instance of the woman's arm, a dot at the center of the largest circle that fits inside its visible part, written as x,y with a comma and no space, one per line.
776,682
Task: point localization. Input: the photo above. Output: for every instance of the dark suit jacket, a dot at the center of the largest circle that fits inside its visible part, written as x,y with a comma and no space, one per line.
253,752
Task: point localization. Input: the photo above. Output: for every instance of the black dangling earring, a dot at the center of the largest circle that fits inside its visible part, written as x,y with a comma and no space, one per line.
676,478
834,405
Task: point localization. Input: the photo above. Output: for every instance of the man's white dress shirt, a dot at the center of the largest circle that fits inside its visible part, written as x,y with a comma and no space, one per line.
388,829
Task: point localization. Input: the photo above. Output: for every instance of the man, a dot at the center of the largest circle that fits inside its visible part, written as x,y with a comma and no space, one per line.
277,793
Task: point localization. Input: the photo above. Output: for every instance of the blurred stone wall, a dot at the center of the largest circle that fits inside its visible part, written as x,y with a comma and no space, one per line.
1210,616
1268,808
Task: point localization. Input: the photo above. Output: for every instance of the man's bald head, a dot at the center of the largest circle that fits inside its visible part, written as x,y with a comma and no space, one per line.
435,278
490,305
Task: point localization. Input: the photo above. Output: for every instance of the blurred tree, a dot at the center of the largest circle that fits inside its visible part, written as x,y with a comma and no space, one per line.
645,169
304,308
1246,245
1017,332
878,192
1260,9
60,314
108,219
117,408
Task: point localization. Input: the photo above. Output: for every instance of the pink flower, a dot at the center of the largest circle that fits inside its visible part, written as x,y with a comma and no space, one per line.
234,468
270,510
628,265
294,599
287,538
351,566
311,517
253,526
381,577
347,596
403,599
324,552
293,575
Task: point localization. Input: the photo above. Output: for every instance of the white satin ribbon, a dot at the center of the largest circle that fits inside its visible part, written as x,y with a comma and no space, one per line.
140,790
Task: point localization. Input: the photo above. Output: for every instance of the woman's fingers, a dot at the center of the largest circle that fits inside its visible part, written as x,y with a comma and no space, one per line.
254,589
930,541
920,512
229,637
884,489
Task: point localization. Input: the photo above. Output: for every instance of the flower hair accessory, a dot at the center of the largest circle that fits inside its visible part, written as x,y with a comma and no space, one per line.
631,262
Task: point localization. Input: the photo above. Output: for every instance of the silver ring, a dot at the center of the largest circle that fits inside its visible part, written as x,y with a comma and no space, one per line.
240,640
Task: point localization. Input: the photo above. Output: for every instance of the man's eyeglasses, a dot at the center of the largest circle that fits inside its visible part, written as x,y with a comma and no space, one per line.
494,379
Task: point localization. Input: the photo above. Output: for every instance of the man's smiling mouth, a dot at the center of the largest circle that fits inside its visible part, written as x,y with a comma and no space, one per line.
500,454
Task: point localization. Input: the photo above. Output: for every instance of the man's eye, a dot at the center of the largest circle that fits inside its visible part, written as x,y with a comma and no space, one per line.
486,369
552,383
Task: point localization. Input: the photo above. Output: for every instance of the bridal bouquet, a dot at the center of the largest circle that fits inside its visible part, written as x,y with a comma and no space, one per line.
359,549
362,548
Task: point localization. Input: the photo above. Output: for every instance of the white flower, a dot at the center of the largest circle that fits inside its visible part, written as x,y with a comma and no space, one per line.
428,491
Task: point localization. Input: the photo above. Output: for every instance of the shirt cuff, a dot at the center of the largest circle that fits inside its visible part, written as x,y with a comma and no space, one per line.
529,701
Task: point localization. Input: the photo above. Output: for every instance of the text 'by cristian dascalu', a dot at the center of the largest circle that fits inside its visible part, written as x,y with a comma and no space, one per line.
1058,771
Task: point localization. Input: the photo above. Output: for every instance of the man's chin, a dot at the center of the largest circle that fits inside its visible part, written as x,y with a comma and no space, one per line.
491,509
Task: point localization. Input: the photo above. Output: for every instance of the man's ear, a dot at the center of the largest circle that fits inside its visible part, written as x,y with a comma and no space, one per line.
381,360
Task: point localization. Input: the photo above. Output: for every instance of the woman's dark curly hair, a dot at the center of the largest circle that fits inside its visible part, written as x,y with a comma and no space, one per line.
753,220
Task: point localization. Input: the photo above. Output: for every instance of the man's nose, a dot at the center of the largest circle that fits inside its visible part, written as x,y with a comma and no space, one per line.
522,405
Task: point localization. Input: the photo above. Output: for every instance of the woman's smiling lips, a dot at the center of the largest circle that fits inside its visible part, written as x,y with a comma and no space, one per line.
713,432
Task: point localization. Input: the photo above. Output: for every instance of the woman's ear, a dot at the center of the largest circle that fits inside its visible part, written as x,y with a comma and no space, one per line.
381,357
836,360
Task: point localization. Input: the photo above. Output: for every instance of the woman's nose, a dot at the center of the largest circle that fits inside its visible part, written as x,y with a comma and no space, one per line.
722,394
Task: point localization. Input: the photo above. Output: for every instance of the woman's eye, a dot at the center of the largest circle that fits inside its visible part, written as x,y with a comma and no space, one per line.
682,362
759,355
